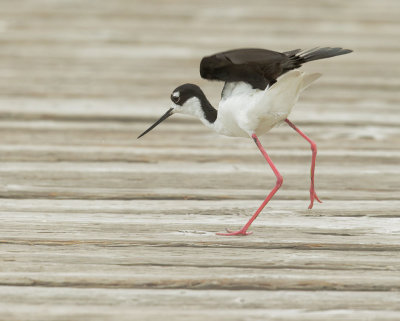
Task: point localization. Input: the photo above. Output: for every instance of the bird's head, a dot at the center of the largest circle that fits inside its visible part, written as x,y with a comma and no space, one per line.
186,99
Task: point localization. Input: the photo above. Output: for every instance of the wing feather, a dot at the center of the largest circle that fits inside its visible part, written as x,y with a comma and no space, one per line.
260,67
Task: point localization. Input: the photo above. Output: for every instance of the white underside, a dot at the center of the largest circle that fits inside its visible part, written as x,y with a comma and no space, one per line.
244,111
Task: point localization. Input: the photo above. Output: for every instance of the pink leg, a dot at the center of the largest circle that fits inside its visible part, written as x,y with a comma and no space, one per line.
313,194
279,181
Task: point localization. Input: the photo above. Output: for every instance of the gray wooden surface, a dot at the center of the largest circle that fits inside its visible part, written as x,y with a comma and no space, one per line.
96,225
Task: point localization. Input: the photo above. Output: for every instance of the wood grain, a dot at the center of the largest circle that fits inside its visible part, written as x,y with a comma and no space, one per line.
97,225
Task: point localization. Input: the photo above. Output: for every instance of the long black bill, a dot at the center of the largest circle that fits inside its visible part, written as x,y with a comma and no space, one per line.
163,117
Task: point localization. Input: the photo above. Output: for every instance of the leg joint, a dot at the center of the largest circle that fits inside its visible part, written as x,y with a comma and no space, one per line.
279,180
313,146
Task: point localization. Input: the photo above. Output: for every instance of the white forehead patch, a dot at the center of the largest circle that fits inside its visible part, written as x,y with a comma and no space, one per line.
176,94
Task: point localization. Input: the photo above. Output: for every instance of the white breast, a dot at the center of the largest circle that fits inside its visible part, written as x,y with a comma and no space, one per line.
243,110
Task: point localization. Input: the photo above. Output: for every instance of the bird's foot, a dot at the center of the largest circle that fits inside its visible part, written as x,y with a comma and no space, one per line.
242,232
313,196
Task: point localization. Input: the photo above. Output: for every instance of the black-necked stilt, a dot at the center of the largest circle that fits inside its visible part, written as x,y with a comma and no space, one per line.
261,87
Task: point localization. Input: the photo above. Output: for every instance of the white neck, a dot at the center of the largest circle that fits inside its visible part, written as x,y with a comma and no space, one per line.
193,107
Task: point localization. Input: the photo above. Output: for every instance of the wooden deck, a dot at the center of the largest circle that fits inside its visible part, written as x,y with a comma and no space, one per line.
96,225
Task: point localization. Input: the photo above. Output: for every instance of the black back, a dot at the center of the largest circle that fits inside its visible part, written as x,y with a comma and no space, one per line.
259,67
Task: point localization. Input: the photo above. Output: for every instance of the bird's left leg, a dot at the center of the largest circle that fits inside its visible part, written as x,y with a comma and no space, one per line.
313,194
279,181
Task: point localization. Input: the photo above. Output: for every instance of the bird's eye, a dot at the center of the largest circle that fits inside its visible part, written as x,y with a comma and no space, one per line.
175,97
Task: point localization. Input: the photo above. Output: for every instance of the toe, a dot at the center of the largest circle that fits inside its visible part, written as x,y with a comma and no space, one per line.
231,233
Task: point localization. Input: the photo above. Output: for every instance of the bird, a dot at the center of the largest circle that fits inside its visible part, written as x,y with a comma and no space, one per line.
260,89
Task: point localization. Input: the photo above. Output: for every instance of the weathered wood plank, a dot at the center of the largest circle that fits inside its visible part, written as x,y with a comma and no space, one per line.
79,312
212,279
68,257
284,224
190,299
350,208
134,237
182,180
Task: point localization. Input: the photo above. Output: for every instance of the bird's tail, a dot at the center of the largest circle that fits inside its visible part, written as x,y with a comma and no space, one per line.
299,57
321,53
308,79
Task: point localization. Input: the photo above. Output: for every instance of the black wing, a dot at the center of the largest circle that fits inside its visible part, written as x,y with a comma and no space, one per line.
259,67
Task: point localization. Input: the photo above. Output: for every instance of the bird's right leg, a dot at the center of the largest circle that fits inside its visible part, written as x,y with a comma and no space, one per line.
279,181
313,194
